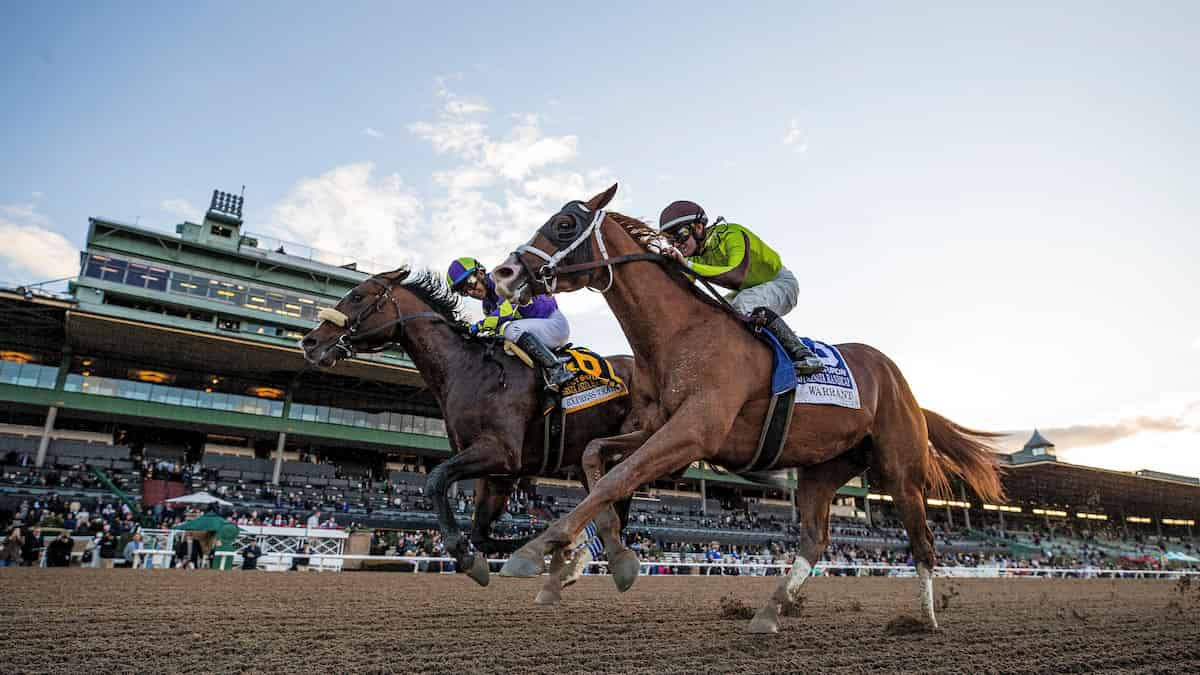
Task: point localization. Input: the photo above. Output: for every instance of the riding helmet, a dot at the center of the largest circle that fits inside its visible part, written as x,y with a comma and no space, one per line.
680,213
461,268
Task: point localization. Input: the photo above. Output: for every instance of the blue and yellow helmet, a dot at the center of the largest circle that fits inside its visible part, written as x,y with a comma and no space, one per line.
461,268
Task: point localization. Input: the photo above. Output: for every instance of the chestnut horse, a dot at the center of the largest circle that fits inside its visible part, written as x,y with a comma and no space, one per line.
491,405
706,383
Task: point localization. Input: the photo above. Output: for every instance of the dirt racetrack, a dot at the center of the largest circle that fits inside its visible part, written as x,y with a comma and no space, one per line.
173,621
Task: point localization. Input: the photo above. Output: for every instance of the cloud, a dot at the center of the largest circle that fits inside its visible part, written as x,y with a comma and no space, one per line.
351,212
497,186
373,133
180,208
796,137
31,249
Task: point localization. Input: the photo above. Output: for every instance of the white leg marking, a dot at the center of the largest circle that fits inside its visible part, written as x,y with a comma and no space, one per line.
926,576
801,569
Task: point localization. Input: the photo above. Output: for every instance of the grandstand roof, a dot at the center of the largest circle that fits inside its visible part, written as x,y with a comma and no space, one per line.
1088,489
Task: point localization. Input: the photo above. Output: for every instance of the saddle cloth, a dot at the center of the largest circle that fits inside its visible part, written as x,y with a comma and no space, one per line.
833,386
595,379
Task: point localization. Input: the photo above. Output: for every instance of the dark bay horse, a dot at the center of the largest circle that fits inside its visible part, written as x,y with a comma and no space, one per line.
491,405
705,381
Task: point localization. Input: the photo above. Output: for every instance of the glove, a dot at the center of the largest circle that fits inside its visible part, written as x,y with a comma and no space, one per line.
474,329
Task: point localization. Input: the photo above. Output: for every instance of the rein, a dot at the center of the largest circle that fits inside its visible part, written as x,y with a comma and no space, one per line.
547,275
345,342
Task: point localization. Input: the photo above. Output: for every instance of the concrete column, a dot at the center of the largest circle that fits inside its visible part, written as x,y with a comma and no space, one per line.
962,493
703,498
949,516
1002,528
867,510
1158,524
44,443
792,494
278,458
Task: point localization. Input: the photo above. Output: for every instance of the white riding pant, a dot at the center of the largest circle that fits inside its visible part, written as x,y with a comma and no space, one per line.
779,295
553,331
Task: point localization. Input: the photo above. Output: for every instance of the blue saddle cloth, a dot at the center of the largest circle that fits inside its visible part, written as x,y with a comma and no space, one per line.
783,375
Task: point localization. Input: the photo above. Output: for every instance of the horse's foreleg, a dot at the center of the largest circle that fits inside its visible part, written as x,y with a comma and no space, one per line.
623,563
491,498
470,463
678,443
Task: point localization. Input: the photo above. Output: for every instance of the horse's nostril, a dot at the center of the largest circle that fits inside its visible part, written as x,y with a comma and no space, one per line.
308,342
502,272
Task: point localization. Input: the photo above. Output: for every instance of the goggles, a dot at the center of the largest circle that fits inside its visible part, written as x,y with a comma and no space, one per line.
680,235
462,286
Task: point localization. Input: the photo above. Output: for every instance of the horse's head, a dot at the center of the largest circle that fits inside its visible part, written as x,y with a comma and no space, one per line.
364,320
567,239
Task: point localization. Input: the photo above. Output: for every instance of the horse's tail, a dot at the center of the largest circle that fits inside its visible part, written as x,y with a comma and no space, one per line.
965,453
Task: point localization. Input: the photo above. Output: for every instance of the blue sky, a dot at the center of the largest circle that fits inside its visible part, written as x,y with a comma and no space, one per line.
999,198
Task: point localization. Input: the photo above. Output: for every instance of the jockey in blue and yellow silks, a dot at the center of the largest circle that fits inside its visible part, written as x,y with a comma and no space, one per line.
536,327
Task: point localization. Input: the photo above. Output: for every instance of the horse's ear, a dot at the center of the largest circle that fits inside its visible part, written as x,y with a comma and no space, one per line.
396,276
601,200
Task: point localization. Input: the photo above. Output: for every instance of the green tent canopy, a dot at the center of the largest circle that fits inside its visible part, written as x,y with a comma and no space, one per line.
211,522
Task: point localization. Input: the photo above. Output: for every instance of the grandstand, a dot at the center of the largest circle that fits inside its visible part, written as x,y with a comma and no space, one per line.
171,360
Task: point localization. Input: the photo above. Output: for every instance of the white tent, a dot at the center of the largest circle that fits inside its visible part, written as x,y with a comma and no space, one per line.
199,498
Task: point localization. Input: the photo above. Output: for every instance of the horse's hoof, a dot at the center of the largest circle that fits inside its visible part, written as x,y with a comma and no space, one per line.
545,597
624,569
477,569
521,567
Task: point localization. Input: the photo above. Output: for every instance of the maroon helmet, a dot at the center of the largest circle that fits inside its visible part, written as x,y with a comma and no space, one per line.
680,213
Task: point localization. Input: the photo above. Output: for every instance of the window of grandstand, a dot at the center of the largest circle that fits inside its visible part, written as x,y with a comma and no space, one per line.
160,278
28,374
157,393
383,421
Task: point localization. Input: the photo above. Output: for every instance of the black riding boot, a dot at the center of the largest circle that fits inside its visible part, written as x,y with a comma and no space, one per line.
556,373
804,360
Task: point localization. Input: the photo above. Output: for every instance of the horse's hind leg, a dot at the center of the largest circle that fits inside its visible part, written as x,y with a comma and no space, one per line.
814,493
903,461
909,501
551,592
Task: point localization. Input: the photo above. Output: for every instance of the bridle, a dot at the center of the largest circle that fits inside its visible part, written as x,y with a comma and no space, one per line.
350,326
572,226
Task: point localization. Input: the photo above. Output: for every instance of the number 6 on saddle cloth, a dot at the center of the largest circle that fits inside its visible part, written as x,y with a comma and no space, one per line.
594,382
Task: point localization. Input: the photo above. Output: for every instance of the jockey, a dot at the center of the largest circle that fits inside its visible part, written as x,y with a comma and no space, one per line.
732,256
536,327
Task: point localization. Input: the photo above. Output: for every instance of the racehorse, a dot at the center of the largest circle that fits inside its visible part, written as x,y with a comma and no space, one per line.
491,405
705,380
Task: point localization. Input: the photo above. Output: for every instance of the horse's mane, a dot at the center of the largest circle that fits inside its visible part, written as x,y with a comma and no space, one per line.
652,240
429,287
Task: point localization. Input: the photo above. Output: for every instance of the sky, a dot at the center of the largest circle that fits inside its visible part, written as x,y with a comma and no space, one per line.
1001,199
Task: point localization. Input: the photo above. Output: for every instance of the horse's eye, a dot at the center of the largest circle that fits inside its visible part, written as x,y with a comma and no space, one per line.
356,298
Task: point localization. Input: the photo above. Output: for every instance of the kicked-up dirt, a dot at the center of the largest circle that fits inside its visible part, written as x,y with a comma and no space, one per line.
80,620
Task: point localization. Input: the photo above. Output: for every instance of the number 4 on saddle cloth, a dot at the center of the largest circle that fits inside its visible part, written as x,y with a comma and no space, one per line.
833,386
595,382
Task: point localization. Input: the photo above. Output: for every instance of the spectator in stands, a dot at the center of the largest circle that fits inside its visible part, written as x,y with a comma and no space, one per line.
300,560
131,549
314,521
32,546
10,549
58,553
108,548
250,555
187,553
